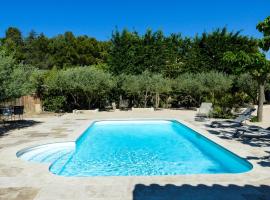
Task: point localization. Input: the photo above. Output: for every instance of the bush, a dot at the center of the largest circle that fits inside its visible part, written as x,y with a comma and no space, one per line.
220,112
254,119
54,103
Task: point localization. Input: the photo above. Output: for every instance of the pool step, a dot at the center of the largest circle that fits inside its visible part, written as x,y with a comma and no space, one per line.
47,153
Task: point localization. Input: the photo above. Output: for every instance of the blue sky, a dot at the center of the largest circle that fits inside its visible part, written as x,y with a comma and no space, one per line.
98,18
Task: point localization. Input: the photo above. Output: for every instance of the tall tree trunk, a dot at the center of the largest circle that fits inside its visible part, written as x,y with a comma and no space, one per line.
157,100
260,102
88,101
145,99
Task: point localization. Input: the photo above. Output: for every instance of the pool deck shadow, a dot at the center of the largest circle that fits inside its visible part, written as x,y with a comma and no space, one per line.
18,124
201,192
227,134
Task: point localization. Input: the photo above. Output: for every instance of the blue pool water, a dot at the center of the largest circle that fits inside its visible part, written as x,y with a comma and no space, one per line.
143,148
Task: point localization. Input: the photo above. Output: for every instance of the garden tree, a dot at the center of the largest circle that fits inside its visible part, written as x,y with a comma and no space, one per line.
131,53
264,44
91,51
146,86
248,85
130,86
67,50
123,53
37,52
79,84
95,84
257,65
15,35
54,88
217,89
14,79
215,84
37,80
62,49
188,90
208,86
7,64
264,27
20,83
176,52
205,52
13,42
161,87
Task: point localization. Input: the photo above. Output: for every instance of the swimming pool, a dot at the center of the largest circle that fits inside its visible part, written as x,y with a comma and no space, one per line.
141,148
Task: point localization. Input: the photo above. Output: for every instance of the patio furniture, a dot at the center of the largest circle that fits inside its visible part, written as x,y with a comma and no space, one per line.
6,113
123,105
247,111
252,132
110,106
18,111
204,111
238,121
113,106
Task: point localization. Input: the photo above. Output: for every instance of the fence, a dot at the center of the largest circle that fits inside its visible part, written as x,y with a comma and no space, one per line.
32,104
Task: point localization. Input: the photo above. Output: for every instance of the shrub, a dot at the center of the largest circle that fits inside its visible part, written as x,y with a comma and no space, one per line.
54,103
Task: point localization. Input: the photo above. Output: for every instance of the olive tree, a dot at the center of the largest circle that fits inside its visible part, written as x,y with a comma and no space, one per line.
160,86
258,67
7,64
247,84
189,89
214,84
14,79
95,84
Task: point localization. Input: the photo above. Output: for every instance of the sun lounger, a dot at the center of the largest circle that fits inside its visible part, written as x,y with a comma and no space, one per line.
252,132
238,121
247,111
204,111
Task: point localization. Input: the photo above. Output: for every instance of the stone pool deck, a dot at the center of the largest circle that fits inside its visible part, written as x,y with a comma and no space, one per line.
22,180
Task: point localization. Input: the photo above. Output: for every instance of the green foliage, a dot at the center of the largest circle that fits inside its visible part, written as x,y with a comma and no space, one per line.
131,53
255,64
264,27
78,72
205,53
20,83
80,85
14,79
189,90
245,83
254,119
6,68
54,103
219,112
62,51
13,43
209,86
146,89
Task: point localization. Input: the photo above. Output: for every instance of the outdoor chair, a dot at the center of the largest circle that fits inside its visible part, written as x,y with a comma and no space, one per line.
252,132
6,113
110,106
238,121
123,105
114,106
18,111
247,111
204,111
